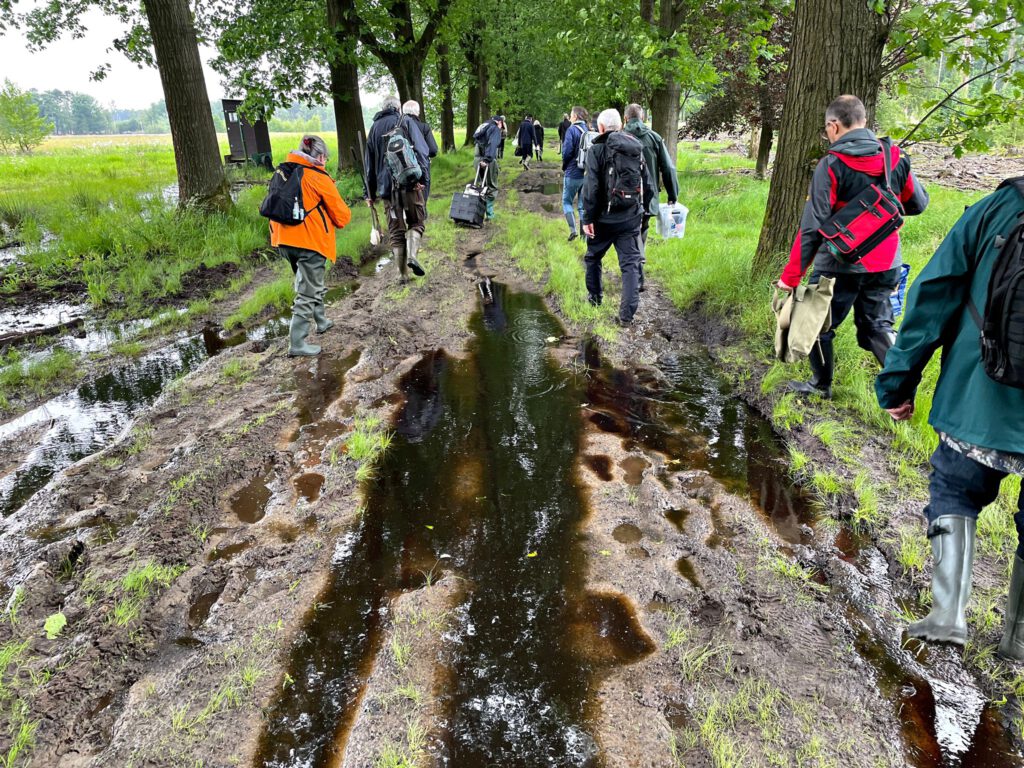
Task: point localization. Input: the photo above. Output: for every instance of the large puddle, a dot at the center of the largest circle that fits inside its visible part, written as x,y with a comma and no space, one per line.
481,470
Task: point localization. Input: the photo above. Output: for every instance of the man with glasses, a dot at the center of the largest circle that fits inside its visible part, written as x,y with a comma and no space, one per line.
853,163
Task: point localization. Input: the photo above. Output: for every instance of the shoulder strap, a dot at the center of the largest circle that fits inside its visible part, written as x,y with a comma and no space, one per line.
886,146
1017,183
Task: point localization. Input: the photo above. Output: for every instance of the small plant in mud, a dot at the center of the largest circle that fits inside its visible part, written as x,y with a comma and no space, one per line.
239,370
136,586
54,625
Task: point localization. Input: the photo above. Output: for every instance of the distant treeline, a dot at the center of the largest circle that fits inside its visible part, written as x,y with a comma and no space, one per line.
79,113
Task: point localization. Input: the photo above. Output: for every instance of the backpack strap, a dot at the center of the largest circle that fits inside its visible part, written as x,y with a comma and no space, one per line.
1017,183
886,146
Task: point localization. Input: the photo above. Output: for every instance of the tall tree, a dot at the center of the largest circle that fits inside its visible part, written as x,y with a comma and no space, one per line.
837,48
21,126
160,32
389,33
343,21
444,78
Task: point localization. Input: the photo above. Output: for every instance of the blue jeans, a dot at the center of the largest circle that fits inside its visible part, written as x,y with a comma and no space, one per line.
572,189
959,485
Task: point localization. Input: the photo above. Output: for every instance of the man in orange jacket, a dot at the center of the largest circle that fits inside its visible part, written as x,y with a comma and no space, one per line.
309,244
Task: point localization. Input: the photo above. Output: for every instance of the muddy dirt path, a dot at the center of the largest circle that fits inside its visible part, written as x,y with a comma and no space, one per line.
572,553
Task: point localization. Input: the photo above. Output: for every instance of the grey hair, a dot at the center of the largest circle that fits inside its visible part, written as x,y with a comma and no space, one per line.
391,102
634,112
313,146
848,110
610,119
411,107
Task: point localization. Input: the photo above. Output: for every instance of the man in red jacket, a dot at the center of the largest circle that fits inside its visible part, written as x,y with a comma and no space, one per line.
854,161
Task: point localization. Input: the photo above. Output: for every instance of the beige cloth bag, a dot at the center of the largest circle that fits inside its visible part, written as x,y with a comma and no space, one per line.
801,316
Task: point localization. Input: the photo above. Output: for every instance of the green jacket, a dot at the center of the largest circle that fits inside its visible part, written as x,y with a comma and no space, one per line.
968,405
657,160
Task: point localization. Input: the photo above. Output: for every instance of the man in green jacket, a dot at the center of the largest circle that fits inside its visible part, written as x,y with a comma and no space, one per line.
980,421
660,164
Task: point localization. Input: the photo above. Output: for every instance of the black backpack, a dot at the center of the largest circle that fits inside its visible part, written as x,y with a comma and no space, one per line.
624,172
283,202
1002,327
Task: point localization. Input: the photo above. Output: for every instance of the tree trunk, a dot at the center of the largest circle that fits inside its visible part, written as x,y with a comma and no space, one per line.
755,142
201,179
472,111
444,78
348,108
764,149
820,28
665,98
408,76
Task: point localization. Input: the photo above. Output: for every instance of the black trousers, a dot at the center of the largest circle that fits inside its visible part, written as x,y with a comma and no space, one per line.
867,294
626,239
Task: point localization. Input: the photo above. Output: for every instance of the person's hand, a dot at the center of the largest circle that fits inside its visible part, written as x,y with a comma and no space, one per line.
588,230
903,412
783,287
671,202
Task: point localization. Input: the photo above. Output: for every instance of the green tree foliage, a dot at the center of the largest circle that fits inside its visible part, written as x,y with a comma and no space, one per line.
21,126
72,112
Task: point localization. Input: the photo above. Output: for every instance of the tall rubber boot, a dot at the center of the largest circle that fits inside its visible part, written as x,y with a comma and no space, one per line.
822,362
398,252
953,558
412,248
297,346
490,209
1012,644
323,324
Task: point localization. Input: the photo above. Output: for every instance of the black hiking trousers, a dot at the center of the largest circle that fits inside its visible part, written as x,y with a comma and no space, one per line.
625,237
867,294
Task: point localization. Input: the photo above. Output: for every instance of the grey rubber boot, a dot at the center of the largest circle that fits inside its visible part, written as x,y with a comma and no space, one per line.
323,324
398,251
953,558
822,360
1012,644
297,339
412,249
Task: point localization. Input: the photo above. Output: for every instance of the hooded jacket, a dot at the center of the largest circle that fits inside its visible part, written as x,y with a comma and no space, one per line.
488,137
524,139
325,211
378,177
967,405
852,164
658,161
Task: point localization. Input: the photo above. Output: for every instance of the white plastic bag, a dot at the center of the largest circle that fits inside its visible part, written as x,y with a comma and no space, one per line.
672,220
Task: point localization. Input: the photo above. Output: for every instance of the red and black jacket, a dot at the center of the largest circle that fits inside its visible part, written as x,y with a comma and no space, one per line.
852,164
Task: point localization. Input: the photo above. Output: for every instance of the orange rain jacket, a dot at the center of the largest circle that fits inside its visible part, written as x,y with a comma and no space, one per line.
325,210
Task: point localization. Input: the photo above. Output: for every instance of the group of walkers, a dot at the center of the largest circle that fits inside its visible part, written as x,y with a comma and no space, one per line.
968,301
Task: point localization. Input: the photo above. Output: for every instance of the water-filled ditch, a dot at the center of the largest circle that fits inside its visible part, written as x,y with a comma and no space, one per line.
482,471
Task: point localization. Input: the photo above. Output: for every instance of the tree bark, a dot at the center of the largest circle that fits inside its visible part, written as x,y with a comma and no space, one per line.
665,17
755,142
348,107
444,78
820,28
201,180
472,111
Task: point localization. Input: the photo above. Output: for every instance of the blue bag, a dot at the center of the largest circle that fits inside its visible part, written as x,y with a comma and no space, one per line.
899,293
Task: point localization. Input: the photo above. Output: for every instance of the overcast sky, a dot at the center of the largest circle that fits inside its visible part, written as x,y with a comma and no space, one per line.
66,65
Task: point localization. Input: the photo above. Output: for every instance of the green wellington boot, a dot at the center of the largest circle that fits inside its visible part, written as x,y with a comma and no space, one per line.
953,557
1012,644
297,339
412,249
323,324
398,252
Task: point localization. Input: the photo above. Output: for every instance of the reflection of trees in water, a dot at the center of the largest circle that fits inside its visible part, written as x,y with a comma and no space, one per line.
423,403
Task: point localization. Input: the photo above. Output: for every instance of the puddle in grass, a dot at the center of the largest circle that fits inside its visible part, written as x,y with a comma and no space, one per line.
528,641
78,423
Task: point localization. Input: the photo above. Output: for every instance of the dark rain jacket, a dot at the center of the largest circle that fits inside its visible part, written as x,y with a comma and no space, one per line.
852,164
595,199
538,134
562,128
524,139
570,148
378,177
431,142
967,404
657,158
488,140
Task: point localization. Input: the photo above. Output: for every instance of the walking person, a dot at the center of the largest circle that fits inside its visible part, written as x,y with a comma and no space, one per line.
572,182
504,135
412,109
977,408
524,142
661,167
562,128
854,162
487,139
614,199
538,140
405,205
309,244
